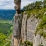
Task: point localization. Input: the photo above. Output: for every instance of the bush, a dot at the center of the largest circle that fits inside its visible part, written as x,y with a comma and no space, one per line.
44,34
2,38
28,43
40,45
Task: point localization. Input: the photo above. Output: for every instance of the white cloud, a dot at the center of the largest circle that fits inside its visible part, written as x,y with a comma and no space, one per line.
25,2
0,4
6,4
8,7
9,4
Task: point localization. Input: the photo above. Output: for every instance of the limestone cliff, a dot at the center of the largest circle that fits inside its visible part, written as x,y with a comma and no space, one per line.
31,27
30,35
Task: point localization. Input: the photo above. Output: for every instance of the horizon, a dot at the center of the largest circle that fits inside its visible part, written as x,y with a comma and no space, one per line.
7,9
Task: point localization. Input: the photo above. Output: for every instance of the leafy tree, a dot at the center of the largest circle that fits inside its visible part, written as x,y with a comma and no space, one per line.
44,2
2,37
38,4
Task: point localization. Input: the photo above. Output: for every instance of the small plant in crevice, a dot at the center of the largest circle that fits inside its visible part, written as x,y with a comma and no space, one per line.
28,43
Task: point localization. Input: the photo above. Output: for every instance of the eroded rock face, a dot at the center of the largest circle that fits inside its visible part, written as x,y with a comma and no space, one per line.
17,24
23,28
39,40
43,40
31,27
36,41
16,29
17,4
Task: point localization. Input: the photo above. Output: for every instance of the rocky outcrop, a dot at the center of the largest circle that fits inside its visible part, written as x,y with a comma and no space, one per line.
31,27
23,28
16,29
36,41
32,24
39,40
17,24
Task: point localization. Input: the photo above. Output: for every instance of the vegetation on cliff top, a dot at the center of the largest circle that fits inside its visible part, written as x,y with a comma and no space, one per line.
38,10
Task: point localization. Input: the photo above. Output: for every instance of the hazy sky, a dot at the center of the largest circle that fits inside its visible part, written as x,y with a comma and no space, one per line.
9,4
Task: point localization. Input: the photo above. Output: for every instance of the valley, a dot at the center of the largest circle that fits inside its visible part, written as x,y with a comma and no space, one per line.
5,32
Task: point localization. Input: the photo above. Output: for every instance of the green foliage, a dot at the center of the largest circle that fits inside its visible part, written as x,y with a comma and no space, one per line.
38,4
29,13
5,31
28,43
34,5
44,34
8,43
43,22
40,45
2,37
37,9
5,28
44,9
44,3
37,13
41,32
41,27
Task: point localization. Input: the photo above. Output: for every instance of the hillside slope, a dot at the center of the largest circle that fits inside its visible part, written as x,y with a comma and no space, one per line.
5,33
7,14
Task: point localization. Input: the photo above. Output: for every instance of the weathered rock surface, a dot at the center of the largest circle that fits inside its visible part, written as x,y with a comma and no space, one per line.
16,29
31,27
23,28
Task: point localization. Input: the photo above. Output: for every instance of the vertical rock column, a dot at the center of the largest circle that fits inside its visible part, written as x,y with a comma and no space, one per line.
24,27
17,29
17,24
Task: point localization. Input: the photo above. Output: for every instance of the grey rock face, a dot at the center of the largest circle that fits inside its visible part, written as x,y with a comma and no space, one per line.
36,40
39,40
16,29
23,28
31,27
43,40
18,4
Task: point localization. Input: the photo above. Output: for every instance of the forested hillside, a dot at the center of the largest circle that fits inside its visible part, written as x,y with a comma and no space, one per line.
5,33
7,14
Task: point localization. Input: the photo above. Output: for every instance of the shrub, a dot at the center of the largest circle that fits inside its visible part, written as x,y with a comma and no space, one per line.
28,43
